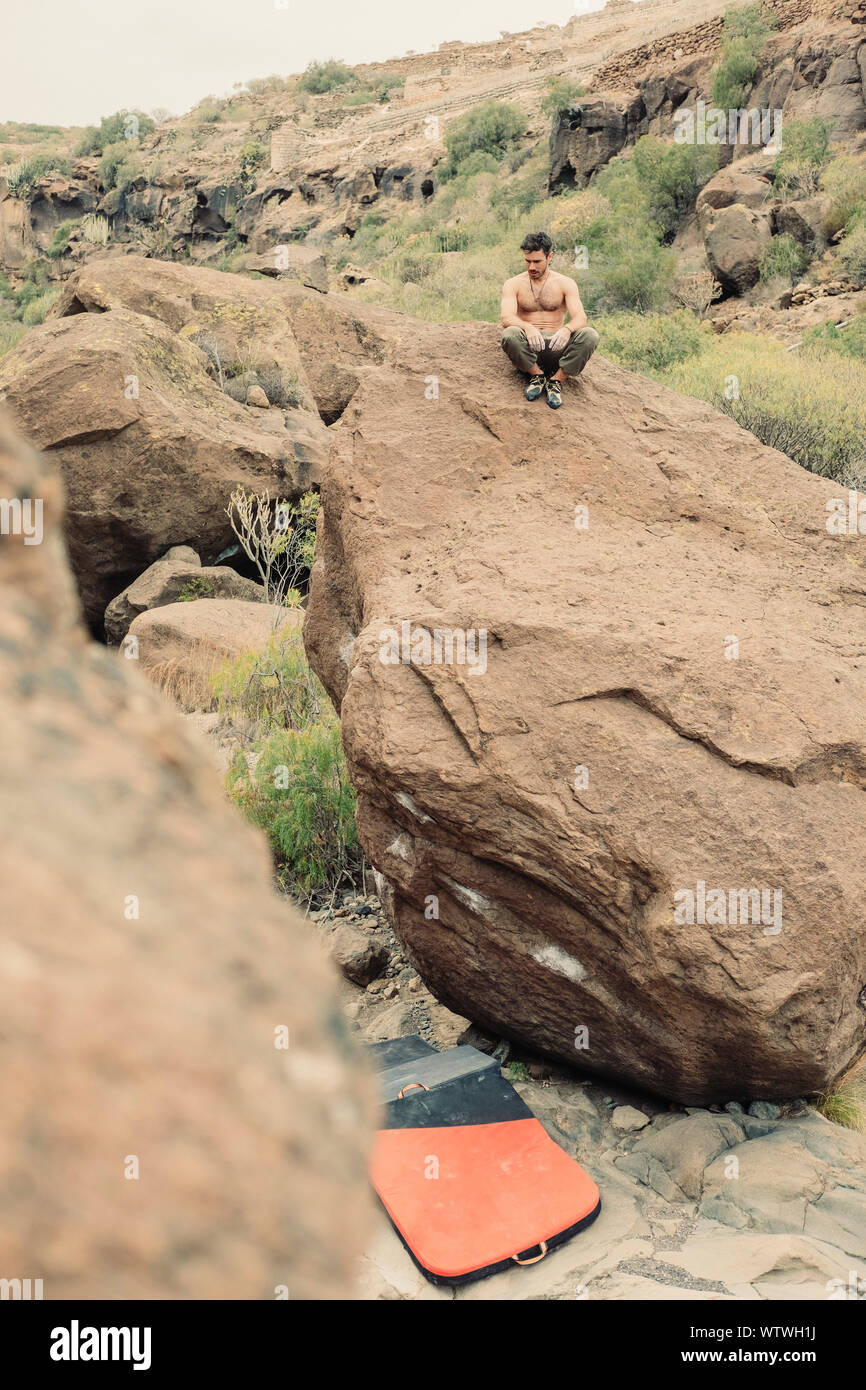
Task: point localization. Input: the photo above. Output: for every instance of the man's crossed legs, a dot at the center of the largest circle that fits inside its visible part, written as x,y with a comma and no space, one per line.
542,365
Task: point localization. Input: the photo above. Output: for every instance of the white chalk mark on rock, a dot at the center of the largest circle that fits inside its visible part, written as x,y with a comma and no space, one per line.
405,800
559,961
476,902
402,846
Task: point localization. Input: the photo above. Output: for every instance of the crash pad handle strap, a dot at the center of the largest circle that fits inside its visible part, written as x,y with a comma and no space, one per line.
410,1086
542,1245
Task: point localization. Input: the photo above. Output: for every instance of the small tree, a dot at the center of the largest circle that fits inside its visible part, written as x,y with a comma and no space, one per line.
672,176
250,157
696,291
279,540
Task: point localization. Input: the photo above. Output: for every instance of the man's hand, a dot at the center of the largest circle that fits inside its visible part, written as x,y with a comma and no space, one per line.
534,337
559,340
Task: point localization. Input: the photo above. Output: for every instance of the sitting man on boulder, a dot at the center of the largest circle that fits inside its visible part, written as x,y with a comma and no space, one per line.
534,305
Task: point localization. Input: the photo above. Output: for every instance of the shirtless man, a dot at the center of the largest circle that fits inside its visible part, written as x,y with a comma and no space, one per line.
534,305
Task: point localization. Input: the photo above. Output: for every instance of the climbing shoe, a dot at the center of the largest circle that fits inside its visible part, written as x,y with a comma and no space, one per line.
535,387
554,394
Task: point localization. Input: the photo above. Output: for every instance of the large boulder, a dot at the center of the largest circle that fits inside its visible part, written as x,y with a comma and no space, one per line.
301,263
735,237
182,646
587,135
733,185
355,344
233,318
159,1139
669,702
179,570
149,445
805,220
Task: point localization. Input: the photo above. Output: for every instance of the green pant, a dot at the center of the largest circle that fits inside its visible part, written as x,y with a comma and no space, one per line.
571,360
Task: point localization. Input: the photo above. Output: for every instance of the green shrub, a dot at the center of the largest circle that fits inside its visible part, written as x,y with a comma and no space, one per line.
844,180
298,789
849,341
491,127
785,258
231,264
362,97
852,253
580,219
385,86
36,308
745,30
451,238
671,177
251,156
23,177
561,93
35,282
25,132
301,796
259,86
512,197
629,268
272,688
119,166
479,162
804,155
651,342
123,125
60,240
197,587
326,76
845,1104
633,274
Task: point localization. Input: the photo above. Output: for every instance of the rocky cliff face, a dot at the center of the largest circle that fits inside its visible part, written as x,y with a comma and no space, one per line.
669,705
325,165
809,68
183,1115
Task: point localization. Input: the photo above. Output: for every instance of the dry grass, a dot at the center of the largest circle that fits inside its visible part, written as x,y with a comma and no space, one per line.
845,1103
810,404
188,681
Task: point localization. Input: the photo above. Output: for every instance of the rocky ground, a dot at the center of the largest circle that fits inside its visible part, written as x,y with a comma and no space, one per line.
728,1202
722,1203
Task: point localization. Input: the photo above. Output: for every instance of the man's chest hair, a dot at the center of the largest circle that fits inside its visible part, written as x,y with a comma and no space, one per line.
550,298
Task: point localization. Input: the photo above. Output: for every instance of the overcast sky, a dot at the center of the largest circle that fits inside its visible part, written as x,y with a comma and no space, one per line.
69,62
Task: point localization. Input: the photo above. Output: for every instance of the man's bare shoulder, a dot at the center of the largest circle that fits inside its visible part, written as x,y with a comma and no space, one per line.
564,281
513,283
